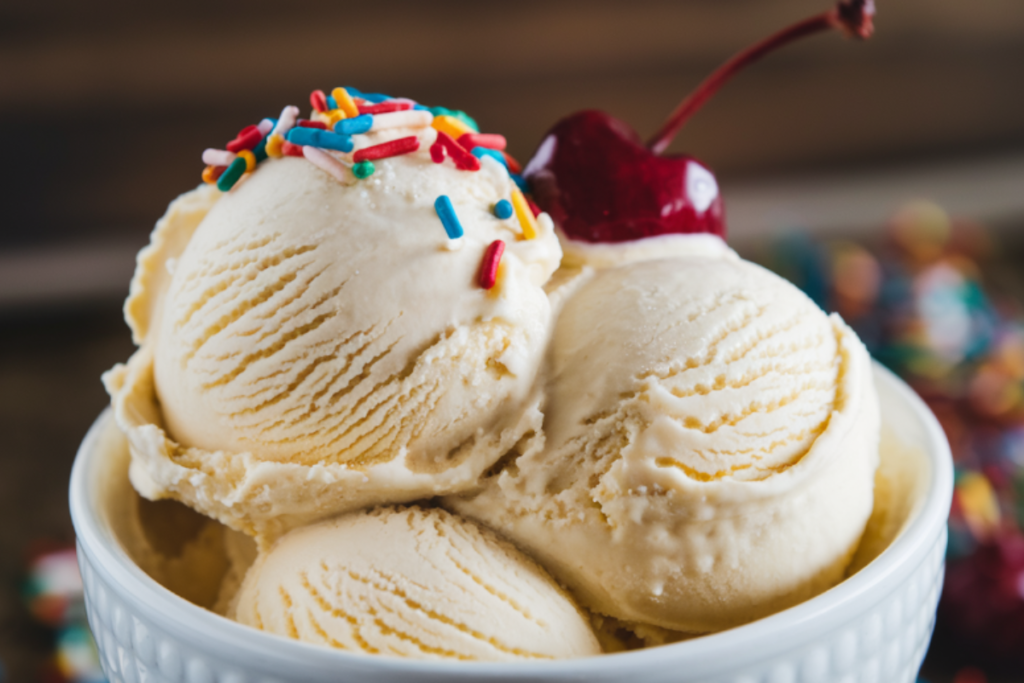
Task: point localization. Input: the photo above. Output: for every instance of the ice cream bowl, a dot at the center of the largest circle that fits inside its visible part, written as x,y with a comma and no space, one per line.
873,626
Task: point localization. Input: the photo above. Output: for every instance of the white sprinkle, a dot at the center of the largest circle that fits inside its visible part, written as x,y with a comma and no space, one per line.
286,121
412,118
218,157
325,161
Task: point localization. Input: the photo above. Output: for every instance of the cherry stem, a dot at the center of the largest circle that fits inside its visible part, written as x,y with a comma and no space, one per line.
852,17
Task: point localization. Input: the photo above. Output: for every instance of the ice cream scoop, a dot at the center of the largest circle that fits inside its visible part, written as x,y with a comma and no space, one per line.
315,342
710,443
414,582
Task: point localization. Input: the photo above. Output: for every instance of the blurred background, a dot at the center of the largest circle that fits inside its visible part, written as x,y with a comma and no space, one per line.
824,152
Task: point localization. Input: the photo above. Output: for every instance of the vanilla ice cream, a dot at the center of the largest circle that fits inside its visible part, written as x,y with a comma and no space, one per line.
369,314
708,451
416,583
310,345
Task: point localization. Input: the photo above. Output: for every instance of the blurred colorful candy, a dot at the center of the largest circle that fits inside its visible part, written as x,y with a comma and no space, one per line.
919,302
53,592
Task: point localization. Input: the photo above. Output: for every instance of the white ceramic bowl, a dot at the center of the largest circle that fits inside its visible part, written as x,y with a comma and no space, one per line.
874,627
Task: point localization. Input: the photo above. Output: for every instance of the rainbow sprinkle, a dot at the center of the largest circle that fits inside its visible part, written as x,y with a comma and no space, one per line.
503,209
318,99
325,140
491,261
449,219
481,152
354,126
527,221
464,161
488,140
364,169
334,120
384,150
230,176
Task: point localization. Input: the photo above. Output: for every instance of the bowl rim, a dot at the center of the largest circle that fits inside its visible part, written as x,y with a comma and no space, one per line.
797,625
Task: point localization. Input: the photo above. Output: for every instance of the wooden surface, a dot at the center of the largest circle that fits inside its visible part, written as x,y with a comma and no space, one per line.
108,105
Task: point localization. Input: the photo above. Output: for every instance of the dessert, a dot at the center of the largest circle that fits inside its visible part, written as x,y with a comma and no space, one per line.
412,582
721,466
361,310
323,345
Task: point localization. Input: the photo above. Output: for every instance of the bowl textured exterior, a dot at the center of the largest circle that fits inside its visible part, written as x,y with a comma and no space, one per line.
872,628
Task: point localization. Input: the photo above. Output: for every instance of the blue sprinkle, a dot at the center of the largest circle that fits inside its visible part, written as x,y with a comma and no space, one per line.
259,152
520,181
481,152
503,209
331,102
446,212
314,137
354,126
374,97
420,107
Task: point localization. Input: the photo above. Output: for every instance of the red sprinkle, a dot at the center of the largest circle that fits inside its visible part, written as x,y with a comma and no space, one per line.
311,124
533,207
291,150
388,149
383,107
437,152
319,100
513,165
464,161
489,267
247,138
488,140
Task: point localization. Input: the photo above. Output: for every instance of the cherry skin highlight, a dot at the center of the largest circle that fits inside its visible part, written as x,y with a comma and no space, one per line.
601,184
594,176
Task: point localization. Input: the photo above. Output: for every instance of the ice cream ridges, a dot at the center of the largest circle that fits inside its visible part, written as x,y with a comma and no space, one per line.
412,582
720,466
361,310
323,345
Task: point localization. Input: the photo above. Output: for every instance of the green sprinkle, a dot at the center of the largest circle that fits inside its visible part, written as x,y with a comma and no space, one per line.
364,169
460,115
231,175
260,150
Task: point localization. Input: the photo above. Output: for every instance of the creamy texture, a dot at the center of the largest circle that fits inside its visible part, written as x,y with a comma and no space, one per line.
709,447
310,347
178,548
694,448
577,253
412,582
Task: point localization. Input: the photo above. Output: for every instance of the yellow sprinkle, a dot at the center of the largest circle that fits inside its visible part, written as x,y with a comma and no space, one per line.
208,176
274,146
451,125
345,102
526,218
333,116
499,280
250,159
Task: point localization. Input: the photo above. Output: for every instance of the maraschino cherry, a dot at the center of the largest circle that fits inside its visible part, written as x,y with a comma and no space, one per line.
601,184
